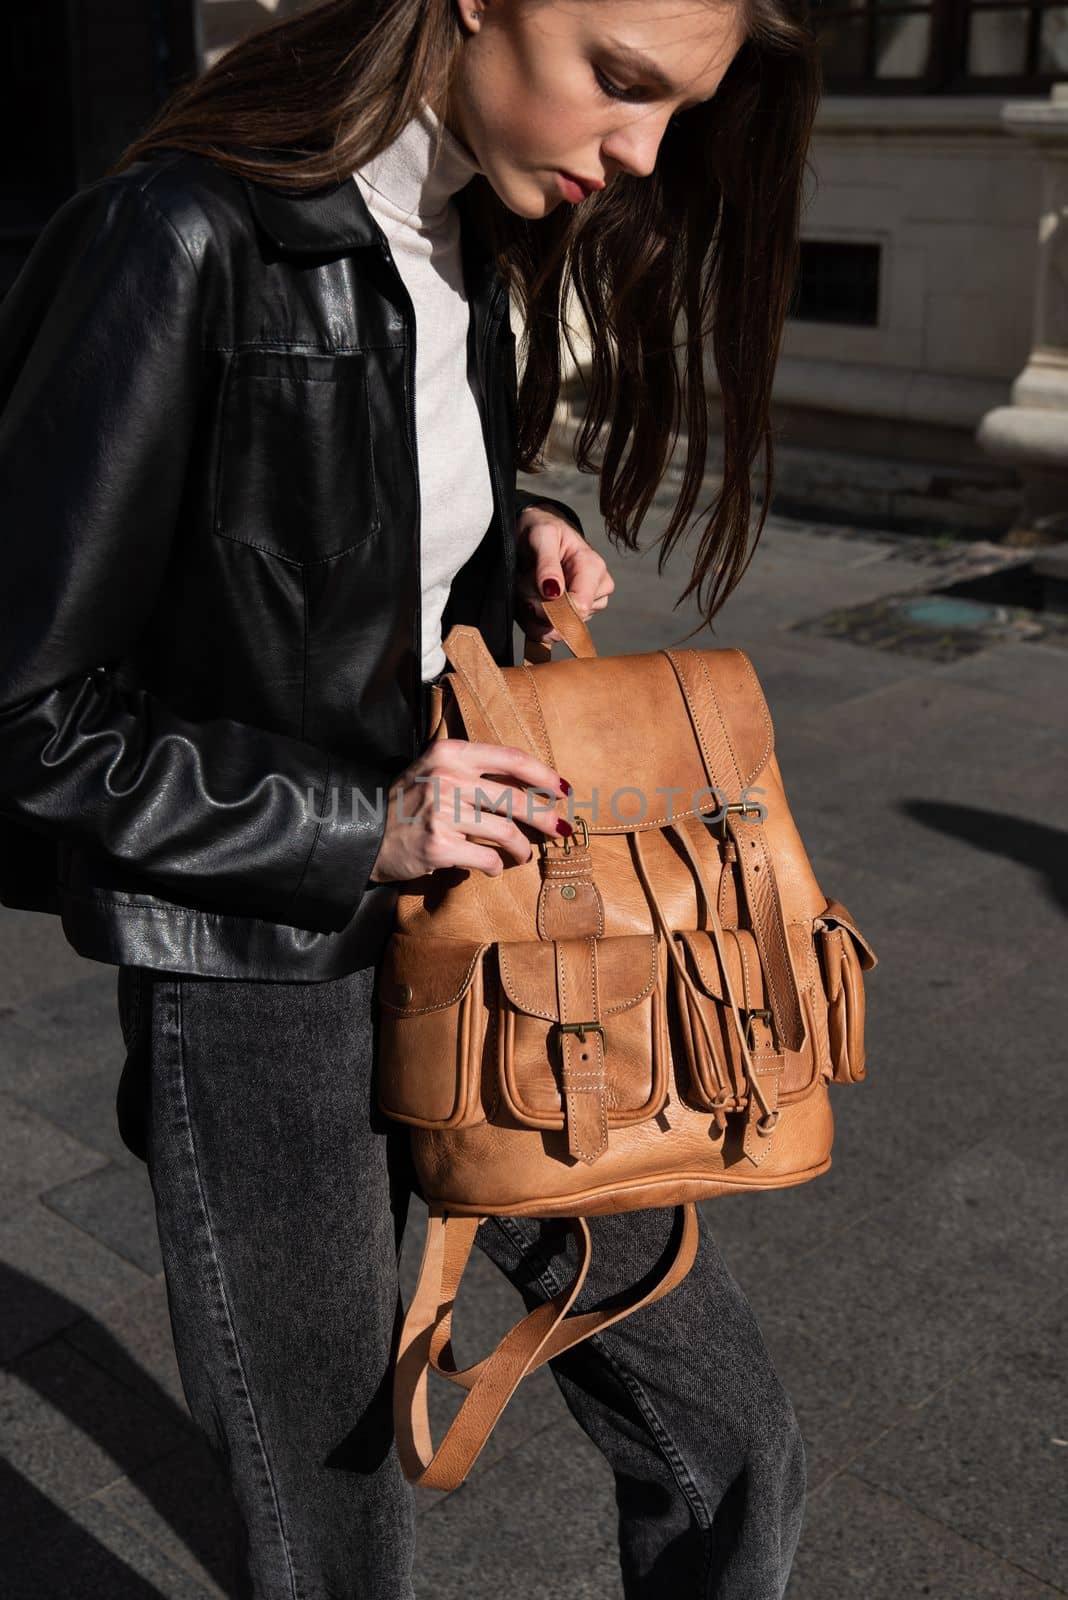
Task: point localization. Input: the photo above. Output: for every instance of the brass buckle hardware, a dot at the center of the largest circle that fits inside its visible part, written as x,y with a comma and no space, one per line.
580,1028
568,844
757,1011
742,807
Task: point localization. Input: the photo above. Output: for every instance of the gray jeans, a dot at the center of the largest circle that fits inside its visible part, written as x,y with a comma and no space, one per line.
281,1197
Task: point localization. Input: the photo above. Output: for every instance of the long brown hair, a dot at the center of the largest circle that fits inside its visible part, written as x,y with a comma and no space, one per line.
708,242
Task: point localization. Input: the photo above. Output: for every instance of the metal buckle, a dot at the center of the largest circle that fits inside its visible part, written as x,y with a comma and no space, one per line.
749,1014
742,807
580,1029
567,845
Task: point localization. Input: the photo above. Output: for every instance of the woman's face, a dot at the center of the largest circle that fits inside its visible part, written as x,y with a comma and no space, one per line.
547,90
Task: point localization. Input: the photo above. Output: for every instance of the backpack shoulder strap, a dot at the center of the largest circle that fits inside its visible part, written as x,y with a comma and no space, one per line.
542,1334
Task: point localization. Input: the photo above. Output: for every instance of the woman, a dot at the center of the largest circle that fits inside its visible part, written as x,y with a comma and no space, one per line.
258,410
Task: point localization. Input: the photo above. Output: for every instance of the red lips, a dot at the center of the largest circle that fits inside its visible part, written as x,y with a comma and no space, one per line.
589,185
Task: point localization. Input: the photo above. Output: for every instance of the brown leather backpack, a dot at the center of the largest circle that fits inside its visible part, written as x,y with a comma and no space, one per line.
647,1014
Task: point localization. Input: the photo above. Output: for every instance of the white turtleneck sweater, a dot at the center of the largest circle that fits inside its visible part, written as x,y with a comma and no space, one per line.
408,189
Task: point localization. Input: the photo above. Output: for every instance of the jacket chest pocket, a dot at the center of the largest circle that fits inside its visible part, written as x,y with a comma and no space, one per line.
296,475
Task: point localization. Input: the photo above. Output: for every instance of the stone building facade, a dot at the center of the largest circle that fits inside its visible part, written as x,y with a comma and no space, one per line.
932,207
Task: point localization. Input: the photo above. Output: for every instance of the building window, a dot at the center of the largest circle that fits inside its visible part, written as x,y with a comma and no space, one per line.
838,281
942,46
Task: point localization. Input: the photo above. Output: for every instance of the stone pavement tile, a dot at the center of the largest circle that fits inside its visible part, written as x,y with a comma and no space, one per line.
787,579
24,1510
790,587
563,481
184,1508
89,1554
924,812
994,763
1001,926
70,1428
876,884
51,1274
633,627
926,799
839,550
887,1127
34,957
131,1338
858,1543
933,712
115,1205
75,1016
540,1526
802,674
637,583
35,1155
74,1091
917,814
1035,675
929,1284
759,1233
890,1124
988,1455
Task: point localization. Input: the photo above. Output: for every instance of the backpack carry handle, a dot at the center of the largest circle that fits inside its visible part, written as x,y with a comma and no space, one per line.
542,1334
567,622
479,680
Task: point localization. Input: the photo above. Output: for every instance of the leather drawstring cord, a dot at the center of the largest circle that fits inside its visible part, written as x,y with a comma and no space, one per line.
724,1091
770,1117
716,929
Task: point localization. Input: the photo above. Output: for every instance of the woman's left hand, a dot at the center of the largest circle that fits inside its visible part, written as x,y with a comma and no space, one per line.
552,556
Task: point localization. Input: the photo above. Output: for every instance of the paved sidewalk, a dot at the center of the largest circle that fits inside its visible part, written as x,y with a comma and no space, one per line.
914,1298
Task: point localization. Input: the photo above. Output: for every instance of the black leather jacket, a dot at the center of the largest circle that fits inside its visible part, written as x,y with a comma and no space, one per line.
210,604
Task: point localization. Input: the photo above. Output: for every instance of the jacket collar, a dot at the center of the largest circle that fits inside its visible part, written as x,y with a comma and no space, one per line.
336,219
320,222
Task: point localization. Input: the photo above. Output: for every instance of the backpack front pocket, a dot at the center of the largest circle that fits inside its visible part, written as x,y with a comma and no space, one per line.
431,1031
844,956
712,1072
581,1029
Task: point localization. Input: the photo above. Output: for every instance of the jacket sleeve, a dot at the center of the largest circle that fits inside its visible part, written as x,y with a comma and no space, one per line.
523,500
101,370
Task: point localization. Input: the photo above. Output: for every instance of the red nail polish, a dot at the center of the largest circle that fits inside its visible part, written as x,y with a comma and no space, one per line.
550,588
565,787
564,827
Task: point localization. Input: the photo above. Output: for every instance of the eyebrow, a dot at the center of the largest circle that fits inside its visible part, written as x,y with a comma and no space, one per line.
646,68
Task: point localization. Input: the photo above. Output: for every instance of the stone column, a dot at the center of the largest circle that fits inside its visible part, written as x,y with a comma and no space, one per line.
1031,434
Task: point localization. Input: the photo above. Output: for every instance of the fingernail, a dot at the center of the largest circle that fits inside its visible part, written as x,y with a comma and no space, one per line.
550,588
565,787
564,827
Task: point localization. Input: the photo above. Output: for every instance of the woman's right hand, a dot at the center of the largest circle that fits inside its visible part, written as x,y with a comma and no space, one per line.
433,819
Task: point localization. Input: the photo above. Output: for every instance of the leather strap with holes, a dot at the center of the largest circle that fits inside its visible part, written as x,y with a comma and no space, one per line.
754,858
582,1055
